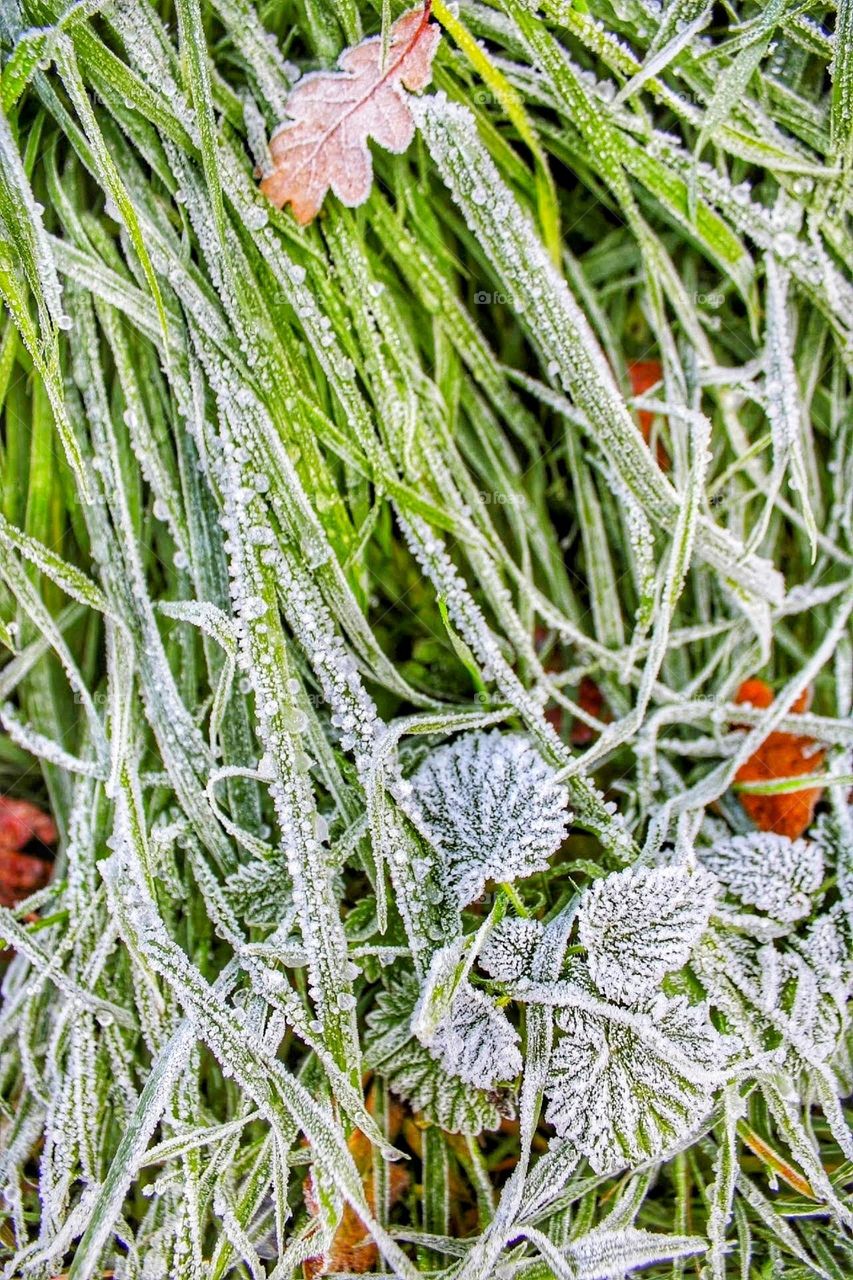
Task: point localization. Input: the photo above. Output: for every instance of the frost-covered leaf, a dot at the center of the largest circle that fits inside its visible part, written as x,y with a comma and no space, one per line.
813,1003
829,944
260,891
791,1001
332,115
415,1075
640,924
447,970
624,1091
509,949
771,872
476,1041
491,809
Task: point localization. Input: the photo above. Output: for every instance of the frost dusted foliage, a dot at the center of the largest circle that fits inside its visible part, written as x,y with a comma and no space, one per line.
641,924
324,142
625,1088
420,1076
476,1041
627,1080
260,891
376,601
771,872
510,949
491,809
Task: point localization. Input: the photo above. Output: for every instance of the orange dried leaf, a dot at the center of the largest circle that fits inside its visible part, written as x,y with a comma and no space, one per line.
643,375
21,822
333,113
780,755
353,1249
20,875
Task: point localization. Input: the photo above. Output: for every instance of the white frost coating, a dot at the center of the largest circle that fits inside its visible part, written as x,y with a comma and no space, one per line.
414,1074
508,953
491,808
783,394
260,891
561,333
609,1255
618,1095
477,1042
641,924
591,809
772,872
30,227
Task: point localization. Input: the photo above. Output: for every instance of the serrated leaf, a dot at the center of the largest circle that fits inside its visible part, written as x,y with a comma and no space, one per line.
415,1075
768,871
260,891
641,924
324,144
620,1096
491,808
509,950
476,1041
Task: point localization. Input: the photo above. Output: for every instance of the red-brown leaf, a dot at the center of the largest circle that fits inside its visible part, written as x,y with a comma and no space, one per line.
353,1248
21,822
333,113
645,374
780,755
21,873
591,699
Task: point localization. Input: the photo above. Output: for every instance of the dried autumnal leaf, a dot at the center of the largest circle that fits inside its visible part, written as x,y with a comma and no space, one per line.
22,872
333,113
643,375
780,755
21,822
353,1250
20,875
590,699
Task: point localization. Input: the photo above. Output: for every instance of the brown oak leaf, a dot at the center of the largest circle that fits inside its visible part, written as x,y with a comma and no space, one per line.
780,755
333,113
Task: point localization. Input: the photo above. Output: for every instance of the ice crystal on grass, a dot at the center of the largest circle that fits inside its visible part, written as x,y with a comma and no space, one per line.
771,872
356,515
641,924
608,1255
491,809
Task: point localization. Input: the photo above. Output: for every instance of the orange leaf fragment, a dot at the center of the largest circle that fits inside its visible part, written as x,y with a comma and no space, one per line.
333,113
780,755
22,824
353,1249
644,374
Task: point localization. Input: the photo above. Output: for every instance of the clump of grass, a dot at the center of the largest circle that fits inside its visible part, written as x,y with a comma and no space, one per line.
382,680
